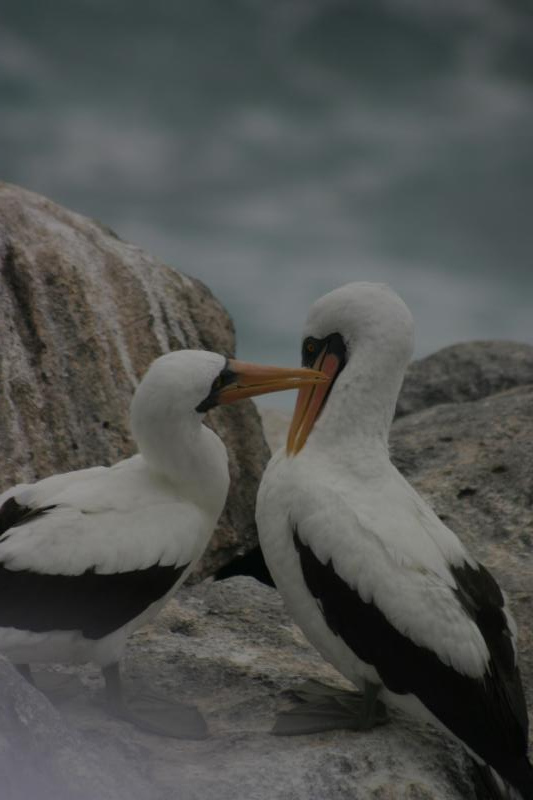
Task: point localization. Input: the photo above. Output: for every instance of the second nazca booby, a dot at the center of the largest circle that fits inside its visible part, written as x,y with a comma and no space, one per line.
87,557
375,580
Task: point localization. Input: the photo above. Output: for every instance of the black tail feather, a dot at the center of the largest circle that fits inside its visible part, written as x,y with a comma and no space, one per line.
485,784
489,787
523,779
251,563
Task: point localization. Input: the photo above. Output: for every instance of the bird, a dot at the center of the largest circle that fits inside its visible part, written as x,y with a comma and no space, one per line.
87,557
381,587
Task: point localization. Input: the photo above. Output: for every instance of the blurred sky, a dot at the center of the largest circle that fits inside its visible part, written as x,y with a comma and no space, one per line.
279,148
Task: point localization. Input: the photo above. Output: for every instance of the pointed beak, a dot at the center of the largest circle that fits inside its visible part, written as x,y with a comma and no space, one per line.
251,380
310,402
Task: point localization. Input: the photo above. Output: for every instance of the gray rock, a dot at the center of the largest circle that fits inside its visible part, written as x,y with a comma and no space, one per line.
42,756
82,315
230,648
467,371
275,426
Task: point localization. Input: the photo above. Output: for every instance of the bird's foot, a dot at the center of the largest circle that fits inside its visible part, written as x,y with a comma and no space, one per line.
327,708
162,716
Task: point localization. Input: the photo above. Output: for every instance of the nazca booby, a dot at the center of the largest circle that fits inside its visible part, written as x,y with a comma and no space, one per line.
375,580
86,557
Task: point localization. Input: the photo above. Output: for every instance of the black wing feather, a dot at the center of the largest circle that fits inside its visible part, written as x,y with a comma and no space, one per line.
482,599
487,714
251,563
94,603
12,514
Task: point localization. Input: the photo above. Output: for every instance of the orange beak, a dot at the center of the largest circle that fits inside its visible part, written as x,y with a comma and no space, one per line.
310,402
252,380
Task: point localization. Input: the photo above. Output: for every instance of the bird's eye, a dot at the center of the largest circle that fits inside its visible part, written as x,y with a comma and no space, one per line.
310,347
218,383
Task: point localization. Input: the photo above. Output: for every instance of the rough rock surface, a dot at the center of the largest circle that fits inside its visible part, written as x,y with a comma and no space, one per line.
42,756
230,647
82,315
467,371
275,425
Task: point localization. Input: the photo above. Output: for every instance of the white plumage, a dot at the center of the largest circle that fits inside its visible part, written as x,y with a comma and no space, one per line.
87,557
379,585
131,516
111,520
407,578
100,520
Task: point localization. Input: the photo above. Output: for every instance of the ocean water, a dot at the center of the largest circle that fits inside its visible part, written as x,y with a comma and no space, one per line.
276,149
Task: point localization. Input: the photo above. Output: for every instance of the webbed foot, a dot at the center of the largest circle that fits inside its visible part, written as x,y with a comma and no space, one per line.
153,713
164,717
327,708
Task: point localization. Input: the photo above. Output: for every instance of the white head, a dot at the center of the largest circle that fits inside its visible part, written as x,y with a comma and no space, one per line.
173,387
361,336
365,315
169,404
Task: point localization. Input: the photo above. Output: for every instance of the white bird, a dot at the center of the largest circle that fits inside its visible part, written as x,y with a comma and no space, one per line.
87,557
375,580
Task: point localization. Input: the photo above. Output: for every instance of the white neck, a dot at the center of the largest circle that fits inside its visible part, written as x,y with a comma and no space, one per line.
360,408
189,455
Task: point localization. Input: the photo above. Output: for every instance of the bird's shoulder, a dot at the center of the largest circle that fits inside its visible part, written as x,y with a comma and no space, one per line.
377,513
108,519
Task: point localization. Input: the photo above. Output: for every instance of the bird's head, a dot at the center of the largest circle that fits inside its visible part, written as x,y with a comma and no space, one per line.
357,334
187,383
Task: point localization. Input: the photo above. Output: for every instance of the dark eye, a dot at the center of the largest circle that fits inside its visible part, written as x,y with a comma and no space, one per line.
310,347
218,383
